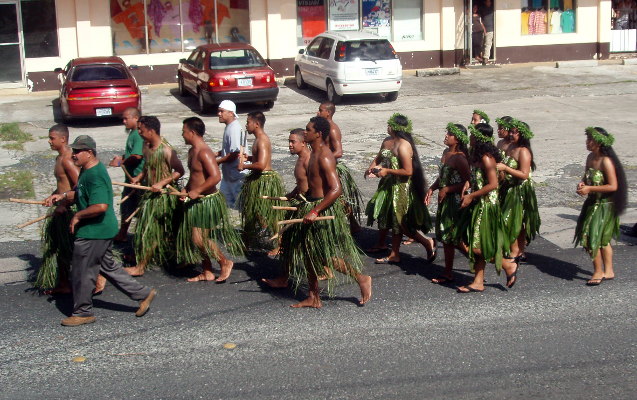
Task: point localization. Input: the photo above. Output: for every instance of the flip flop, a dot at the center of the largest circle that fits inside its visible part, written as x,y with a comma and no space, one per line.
469,290
514,275
433,256
442,280
408,242
386,260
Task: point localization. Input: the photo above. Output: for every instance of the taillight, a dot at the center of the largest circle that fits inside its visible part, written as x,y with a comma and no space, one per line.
340,53
267,78
218,82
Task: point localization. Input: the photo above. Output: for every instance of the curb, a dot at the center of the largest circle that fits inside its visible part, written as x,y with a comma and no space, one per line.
576,64
437,71
629,61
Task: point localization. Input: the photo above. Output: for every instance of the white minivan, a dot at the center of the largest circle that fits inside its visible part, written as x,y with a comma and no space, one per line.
349,62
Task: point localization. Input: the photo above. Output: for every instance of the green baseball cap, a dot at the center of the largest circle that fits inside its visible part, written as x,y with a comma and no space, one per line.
84,142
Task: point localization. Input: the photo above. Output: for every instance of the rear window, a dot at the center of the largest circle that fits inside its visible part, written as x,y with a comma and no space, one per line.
237,58
83,73
365,50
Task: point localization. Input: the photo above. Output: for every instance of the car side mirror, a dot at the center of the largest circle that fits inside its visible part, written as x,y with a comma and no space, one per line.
183,61
133,66
58,70
302,51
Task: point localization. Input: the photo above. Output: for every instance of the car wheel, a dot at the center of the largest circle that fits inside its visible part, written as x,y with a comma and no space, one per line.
269,105
300,83
331,93
203,106
182,89
391,96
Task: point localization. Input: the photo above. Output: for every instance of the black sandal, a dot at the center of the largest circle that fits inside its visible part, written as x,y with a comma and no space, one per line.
513,276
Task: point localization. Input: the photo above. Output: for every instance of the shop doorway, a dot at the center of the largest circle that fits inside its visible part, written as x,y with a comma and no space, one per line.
11,47
479,34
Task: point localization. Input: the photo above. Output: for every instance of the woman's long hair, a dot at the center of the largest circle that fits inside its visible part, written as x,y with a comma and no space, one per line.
620,196
417,176
479,149
524,142
461,146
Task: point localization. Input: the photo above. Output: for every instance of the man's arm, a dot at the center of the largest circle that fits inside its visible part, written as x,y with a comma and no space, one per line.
327,167
91,211
264,151
176,167
336,144
71,171
211,170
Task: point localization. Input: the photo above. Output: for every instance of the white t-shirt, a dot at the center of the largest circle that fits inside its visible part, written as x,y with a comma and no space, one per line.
233,139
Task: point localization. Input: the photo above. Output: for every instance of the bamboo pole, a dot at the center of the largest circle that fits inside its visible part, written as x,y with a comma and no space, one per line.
33,221
275,198
127,196
130,217
130,185
284,208
24,201
299,220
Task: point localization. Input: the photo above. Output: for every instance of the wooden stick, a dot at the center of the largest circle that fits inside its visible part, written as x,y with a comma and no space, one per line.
130,217
284,208
172,188
33,221
126,197
183,194
130,185
23,201
128,175
299,220
275,198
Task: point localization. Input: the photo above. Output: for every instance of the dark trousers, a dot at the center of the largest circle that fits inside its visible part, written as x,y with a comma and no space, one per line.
91,257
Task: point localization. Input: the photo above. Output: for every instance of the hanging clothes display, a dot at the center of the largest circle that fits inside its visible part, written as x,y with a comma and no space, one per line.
567,21
556,21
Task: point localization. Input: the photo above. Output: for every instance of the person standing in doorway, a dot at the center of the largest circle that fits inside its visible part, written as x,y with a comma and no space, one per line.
488,22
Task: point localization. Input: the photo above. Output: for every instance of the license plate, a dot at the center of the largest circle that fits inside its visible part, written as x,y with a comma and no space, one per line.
372,71
244,82
101,112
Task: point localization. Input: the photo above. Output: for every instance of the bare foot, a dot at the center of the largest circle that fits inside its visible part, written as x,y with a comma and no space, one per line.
276,283
203,277
226,268
365,283
137,270
328,274
313,301
274,252
100,284
408,241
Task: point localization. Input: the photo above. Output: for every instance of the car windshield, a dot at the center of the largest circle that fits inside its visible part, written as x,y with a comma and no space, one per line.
236,58
368,50
92,72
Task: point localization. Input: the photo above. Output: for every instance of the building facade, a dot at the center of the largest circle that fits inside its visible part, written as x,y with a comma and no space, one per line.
37,36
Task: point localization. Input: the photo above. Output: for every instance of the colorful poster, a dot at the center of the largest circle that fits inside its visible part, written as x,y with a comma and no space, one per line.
311,14
376,13
343,15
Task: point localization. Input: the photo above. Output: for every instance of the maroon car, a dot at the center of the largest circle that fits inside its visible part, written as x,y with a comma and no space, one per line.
226,71
97,87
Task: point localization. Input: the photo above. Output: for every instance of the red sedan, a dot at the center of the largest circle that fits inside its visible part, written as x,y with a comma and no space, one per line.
97,87
226,71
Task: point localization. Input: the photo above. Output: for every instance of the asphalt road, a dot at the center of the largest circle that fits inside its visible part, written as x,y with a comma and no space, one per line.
548,337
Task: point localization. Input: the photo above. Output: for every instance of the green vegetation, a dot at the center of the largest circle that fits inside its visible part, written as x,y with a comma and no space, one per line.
12,133
16,184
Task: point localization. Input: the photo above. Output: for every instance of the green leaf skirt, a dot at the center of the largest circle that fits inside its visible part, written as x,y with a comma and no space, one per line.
480,227
519,209
351,193
597,224
57,248
157,224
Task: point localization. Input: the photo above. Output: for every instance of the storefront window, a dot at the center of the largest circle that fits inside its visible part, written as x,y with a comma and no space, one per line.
624,27
158,26
39,25
397,20
541,17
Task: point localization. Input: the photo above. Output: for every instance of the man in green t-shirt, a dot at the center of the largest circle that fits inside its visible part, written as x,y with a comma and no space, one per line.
133,162
94,226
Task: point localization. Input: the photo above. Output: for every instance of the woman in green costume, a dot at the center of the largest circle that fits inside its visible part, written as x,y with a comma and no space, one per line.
379,207
604,183
454,173
504,126
409,214
480,222
517,194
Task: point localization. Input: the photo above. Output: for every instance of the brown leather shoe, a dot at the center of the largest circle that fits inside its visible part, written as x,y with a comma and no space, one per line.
144,305
77,321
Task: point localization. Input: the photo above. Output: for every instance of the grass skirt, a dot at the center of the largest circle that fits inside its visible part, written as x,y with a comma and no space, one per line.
317,245
408,210
57,248
210,215
447,219
480,227
379,207
257,213
154,240
351,194
519,209
597,224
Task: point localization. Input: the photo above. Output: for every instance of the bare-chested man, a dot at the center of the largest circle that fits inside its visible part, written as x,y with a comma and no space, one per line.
205,222
257,213
351,194
154,234
297,146
57,241
308,248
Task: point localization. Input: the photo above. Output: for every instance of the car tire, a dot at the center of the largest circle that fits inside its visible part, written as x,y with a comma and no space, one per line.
300,83
269,104
204,107
391,96
182,88
331,93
